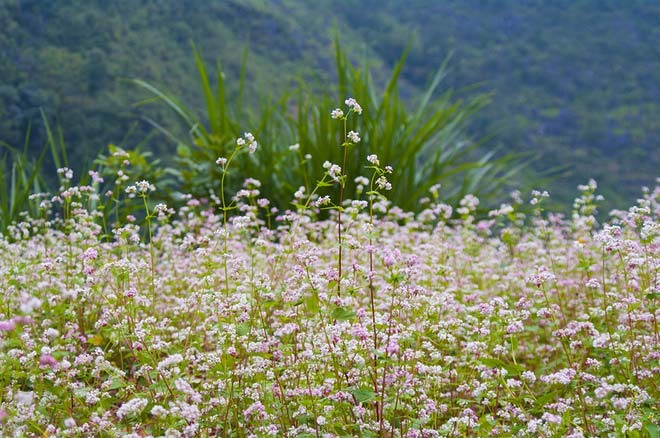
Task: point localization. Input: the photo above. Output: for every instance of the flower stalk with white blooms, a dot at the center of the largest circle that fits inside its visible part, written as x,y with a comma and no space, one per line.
350,139
142,189
247,141
377,183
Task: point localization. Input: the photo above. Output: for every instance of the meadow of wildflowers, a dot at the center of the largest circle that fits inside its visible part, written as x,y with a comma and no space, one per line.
229,318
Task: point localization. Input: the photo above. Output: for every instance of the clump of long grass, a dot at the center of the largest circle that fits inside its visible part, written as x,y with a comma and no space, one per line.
23,180
428,144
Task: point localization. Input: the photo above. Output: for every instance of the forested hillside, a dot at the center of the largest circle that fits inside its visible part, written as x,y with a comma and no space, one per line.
577,82
73,59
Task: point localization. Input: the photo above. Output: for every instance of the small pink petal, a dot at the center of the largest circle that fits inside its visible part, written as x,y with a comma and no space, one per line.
7,326
47,360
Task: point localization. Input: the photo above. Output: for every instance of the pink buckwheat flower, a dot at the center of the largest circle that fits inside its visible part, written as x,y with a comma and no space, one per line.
47,360
7,326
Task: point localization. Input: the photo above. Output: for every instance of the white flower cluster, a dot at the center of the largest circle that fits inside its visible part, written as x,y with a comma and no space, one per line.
504,210
96,178
470,202
537,196
131,407
145,186
323,200
162,211
247,139
373,159
65,172
334,170
541,276
561,377
383,184
120,153
590,186
649,231
300,193
354,137
337,113
160,208
169,361
353,105
142,187
361,180
610,237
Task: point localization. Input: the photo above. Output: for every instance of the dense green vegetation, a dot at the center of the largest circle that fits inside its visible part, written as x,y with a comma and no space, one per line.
299,151
575,81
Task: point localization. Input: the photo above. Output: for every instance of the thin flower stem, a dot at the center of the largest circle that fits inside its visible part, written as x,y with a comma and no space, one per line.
342,182
151,249
224,220
372,292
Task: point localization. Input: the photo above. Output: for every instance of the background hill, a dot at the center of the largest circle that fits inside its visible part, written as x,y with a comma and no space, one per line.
577,82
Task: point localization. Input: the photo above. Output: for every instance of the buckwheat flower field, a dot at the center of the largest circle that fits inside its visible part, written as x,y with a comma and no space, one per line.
259,324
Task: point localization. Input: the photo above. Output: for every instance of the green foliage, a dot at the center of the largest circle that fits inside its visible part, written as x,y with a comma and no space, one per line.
72,59
23,175
120,168
20,178
571,81
425,146
214,136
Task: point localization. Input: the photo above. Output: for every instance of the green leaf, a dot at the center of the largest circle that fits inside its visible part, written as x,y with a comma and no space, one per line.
117,383
653,430
514,343
512,369
159,386
183,150
341,314
363,395
243,329
269,304
96,340
545,398
312,303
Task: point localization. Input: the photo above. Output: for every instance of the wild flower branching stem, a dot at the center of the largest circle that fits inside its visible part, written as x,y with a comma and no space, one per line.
372,291
371,264
342,183
380,406
245,142
605,303
151,249
225,209
278,273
